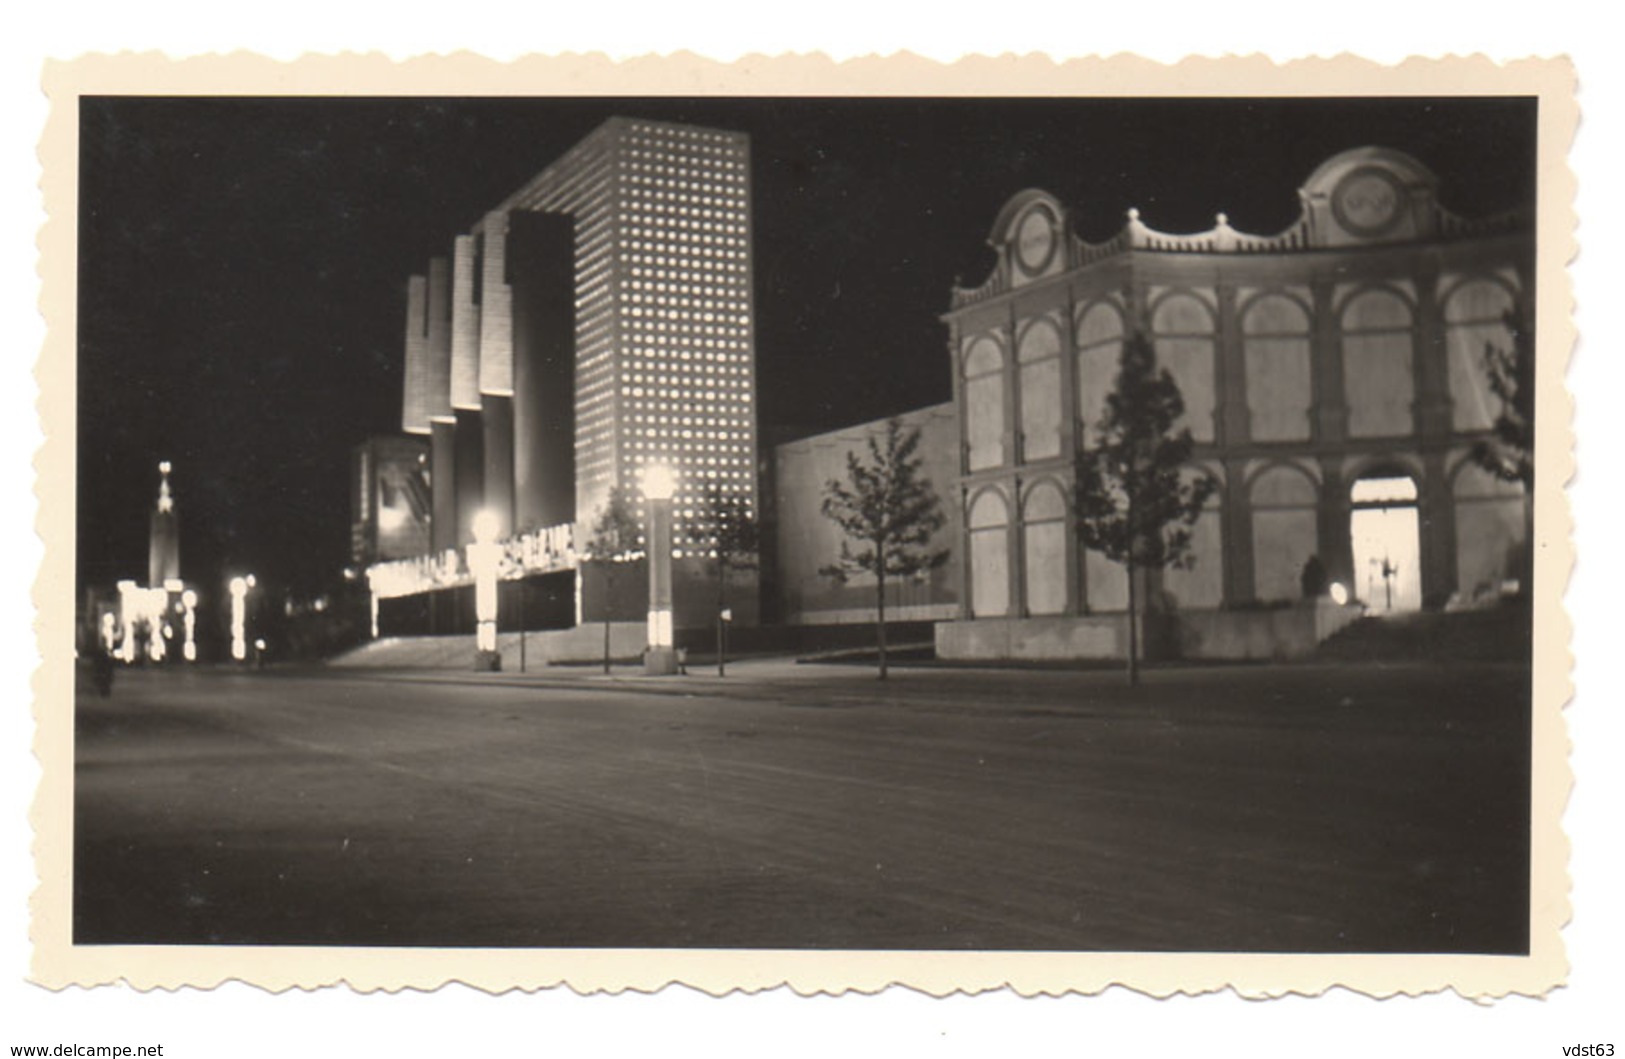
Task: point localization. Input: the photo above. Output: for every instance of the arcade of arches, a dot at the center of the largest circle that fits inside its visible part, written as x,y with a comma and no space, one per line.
1334,381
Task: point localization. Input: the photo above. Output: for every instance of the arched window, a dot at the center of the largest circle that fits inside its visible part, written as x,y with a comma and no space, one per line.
1277,357
1285,531
984,404
988,522
1491,532
1474,320
1200,583
1378,373
1183,326
1039,355
1099,340
1043,528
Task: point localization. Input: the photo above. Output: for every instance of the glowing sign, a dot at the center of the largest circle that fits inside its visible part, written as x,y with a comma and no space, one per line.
541,552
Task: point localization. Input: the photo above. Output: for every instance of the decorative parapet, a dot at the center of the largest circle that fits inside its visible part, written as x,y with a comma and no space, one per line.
1453,227
1363,197
543,551
1136,235
1220,239
963,296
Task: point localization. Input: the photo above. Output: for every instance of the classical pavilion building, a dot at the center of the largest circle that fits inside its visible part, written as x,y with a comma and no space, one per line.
1335,382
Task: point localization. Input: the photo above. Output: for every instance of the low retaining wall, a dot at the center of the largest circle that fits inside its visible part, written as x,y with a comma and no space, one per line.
1033,639
1261,635
1220,635
578,645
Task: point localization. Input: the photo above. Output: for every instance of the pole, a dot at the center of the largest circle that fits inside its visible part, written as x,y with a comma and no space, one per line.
1133,631
660,658
722,614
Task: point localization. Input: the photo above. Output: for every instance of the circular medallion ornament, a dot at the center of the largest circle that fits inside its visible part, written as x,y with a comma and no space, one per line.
1035,240
1368,202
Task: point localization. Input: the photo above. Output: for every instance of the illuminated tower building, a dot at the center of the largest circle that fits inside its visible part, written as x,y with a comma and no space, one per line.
162,613
664,336
598,320
164,539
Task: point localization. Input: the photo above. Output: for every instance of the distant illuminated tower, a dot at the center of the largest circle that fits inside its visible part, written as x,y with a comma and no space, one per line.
164,541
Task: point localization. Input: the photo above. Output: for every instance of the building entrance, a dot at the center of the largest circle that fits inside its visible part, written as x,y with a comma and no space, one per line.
1384,530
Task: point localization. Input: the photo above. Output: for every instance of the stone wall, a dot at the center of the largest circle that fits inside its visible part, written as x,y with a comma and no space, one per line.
1217,635
806,540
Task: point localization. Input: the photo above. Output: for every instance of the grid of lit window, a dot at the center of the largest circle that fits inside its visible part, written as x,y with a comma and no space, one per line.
687,378
665,349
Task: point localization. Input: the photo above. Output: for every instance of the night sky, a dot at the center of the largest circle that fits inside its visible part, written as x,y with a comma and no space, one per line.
243,262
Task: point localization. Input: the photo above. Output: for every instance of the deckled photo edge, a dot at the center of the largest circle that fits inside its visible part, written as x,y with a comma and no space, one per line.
58,963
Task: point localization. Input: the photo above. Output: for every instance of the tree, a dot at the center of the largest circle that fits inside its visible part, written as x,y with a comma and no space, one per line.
889,512
1136,500
725,526
615,536
1509,453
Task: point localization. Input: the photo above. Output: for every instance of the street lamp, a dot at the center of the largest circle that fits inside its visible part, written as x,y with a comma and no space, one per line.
239,608
659,482
484,556
189,616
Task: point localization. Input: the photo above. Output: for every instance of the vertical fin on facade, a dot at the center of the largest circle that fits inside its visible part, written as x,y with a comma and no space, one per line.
496,306
415,384
465,327
439,340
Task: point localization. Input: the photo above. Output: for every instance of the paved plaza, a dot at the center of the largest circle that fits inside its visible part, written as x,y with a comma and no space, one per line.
1295,808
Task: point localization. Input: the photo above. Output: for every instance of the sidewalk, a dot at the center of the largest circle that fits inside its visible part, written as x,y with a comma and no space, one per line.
1293,696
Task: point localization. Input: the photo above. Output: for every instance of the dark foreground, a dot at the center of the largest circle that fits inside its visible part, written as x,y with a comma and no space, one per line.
1329,808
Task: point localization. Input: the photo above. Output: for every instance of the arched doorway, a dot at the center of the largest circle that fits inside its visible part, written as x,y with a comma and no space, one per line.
1385,534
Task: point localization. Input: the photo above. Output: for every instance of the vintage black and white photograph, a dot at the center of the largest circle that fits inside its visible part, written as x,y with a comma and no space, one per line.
981,524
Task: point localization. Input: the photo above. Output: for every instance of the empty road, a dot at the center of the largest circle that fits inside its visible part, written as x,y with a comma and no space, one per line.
1300,808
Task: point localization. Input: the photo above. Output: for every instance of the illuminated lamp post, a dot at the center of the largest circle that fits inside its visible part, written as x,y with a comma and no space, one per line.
129,613
189,622
484,557
660,658
239,616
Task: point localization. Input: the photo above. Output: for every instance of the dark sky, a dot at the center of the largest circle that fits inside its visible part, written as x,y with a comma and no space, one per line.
243,262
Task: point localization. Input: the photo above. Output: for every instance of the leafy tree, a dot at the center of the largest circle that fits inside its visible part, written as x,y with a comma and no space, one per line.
1136,500
726,527
1509,454
615,537
889,512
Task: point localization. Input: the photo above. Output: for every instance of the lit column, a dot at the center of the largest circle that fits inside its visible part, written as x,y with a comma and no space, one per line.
239,616
128,615
484,556
189,620
658,485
